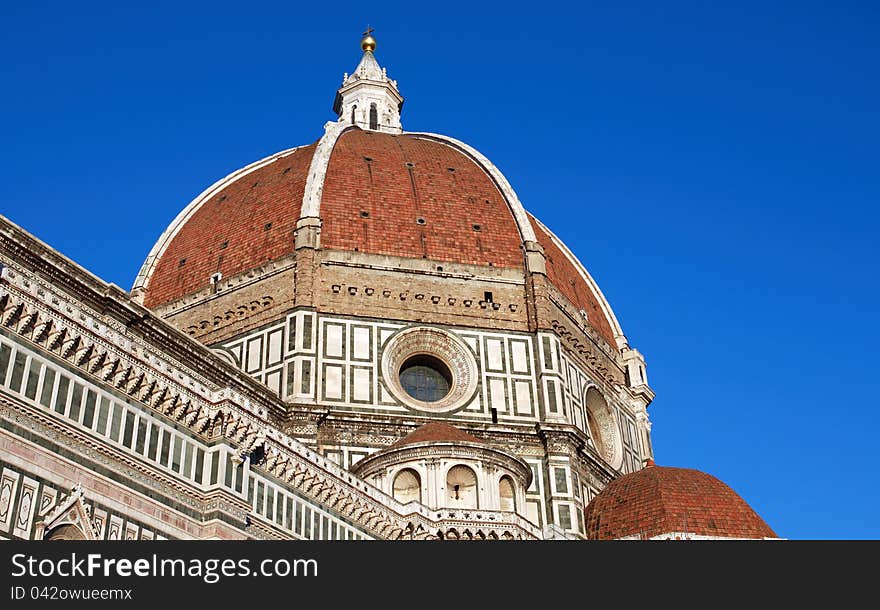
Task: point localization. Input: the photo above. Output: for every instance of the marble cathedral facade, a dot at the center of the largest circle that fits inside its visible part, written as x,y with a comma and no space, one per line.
367,337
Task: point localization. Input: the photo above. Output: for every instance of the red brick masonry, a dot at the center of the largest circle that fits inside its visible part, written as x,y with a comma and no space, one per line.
563,274
249,222
397,195
659,500
437,432
399,179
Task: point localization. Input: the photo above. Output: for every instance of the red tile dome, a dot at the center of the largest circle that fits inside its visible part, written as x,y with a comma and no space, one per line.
408,195
402,181
238,224
660,500
436,432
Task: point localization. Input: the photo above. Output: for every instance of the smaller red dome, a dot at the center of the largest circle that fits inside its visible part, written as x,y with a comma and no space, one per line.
436,432
660,500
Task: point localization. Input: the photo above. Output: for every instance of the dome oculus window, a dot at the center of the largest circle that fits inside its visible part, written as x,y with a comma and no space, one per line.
429,370
425,378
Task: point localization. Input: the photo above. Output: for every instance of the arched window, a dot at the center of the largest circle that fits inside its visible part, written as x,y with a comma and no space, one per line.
374,117
461,487
407,486
65,532
507,493
602,427
353,110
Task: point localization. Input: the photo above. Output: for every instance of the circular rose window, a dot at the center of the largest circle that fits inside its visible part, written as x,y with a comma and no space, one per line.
603,428
429,369
425,378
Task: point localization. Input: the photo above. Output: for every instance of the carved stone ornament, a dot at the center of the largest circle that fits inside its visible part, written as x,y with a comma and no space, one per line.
70,518
444,346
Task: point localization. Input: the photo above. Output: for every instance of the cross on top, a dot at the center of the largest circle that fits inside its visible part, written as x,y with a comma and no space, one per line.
368,31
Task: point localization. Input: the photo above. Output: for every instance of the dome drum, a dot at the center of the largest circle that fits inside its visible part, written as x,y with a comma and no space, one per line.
378,274
405,197
295,319
453,473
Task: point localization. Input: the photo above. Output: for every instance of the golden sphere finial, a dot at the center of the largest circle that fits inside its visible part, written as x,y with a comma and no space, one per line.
368,43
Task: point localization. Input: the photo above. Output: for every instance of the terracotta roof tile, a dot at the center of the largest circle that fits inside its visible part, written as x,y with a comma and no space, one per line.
436,432
398,180
397,195
249,222
660,500
565,276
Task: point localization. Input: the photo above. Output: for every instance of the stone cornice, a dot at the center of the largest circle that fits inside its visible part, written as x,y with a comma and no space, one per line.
434,450
115,356
568,440
594,352
56,430
388,428
227,285
76,297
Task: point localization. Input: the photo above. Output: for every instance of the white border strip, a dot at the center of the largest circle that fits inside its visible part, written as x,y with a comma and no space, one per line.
314,190
311,204
591,283
143,278
516,207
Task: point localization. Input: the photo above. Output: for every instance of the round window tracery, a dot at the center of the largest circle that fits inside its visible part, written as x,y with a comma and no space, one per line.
425,378
602,427
429,369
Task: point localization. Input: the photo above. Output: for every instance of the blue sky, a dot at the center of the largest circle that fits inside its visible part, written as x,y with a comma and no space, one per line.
714,165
